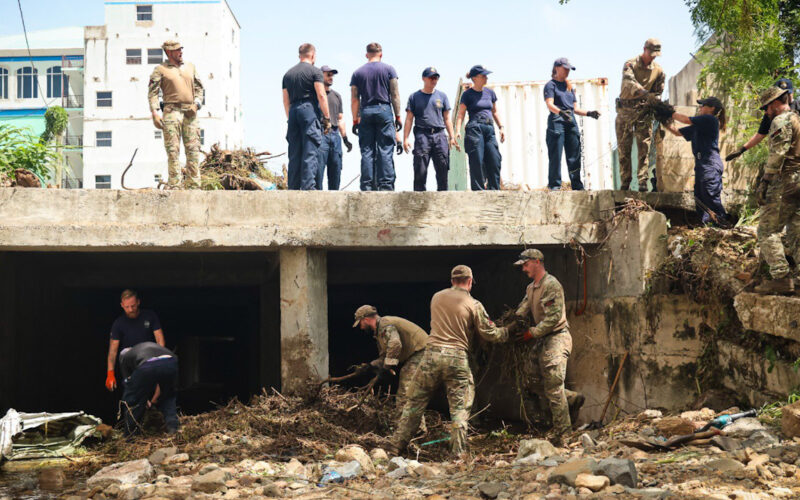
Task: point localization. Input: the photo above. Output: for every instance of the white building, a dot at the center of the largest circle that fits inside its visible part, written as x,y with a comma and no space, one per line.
120,57
99,74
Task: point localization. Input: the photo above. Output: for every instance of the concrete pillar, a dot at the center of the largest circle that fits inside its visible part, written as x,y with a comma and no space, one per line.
304,318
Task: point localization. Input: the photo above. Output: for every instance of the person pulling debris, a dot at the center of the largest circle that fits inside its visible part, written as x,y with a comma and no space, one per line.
778,194
150,372
183,95
400,342
703,132
455,319
544,305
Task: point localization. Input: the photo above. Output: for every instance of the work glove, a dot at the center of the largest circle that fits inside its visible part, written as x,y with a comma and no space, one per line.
111,380
524,336
398,125
566,116
355,126
739,152
593,114
399,148
347,143
326,125
761,192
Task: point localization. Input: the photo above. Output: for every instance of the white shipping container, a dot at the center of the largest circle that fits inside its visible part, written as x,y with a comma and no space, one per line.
524,114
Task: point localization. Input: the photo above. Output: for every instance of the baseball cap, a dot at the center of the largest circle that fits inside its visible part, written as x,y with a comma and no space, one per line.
710,101
654,44
171,45
770,95
785,84
429,72
328,69
478,70
364,312
461,271
529,254
563,61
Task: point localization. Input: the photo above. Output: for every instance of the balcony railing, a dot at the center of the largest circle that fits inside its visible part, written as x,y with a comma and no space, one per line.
72,101
68,62
74,140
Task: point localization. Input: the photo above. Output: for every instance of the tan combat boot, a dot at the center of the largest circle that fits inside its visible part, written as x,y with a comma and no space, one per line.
780,286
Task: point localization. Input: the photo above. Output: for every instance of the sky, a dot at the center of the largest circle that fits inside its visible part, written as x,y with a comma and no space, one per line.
516,39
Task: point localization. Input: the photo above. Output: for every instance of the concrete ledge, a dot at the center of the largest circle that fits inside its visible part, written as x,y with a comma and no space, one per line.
750,374
41,219
678,200
772,314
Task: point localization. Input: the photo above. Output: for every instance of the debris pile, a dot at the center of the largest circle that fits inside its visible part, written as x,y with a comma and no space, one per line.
239,169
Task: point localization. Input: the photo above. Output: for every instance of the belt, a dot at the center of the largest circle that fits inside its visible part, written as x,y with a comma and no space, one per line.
301,101
446,350
428,130
158,358
376,104
485,121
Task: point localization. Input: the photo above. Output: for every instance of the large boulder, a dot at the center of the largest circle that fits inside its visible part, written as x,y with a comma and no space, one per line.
674,426
539,447
619,471
357,453
567,472
743,427
133,472
592,482
790,421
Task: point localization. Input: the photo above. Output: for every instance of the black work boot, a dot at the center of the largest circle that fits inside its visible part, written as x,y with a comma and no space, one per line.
780,286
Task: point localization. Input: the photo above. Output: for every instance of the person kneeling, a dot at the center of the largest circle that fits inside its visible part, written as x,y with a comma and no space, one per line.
150,372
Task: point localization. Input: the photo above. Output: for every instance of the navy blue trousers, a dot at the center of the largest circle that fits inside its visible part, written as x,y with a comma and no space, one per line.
376,141
430,145
304,135
563,138
484,155
708,189
141,385
330,155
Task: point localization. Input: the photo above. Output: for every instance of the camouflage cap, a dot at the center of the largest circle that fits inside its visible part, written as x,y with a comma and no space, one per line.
461,271
171,45
770,95
654,44
529,254
364,311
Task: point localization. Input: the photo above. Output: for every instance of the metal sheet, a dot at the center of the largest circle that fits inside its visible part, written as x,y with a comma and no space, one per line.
525,161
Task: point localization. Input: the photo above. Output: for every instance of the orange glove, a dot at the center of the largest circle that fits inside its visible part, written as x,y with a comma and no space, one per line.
524,336
111,381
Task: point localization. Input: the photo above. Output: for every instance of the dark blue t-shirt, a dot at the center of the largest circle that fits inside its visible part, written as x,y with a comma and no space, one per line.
130,332
562,98
704,134
372,81
428,108
479,104
299,81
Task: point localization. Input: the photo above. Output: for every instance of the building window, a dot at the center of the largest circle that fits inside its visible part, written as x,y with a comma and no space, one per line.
103,139
157,134
102,181
157,178
57,82
202,137
3,83
144,12
27,83
133,56
155,56
104,99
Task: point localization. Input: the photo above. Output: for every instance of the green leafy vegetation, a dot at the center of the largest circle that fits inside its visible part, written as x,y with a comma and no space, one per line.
20,149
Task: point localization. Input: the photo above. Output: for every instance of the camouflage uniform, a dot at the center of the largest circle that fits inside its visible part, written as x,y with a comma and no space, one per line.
634,120
544,303
782,207
455,318
181,90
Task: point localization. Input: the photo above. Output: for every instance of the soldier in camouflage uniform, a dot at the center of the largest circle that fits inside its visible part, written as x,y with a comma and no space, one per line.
779,193
544,305
642,77
400,342
456,318
183,96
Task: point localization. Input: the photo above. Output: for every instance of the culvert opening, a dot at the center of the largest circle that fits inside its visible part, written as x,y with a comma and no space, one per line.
219,312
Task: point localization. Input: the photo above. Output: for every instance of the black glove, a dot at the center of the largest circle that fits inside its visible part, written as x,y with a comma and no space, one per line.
566,116
398,125
355,129
593,114
347,143
399,148
761,192
739,152
326,125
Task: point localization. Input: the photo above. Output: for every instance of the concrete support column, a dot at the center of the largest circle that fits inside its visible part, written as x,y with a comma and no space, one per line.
304,317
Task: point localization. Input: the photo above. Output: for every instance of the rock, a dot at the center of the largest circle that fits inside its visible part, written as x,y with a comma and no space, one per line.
491,490
262,467
427,471
181,481
396,463
296,469
133,472
379,455
271,490
567,472
137,492
726,443
584,492
587,442
412,466
501,463
592,482
674,426
649,415
357,453
790,421
208,468
539,447
757,459
161,454
178,458
724,465
743,427
760,439
619,471
171,492
699,415
51,479
398,473
211,482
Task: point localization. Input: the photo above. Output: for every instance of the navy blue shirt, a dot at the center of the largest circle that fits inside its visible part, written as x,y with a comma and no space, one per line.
299,82
479,104
428,108
372,81
130,332
704,134
562,98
